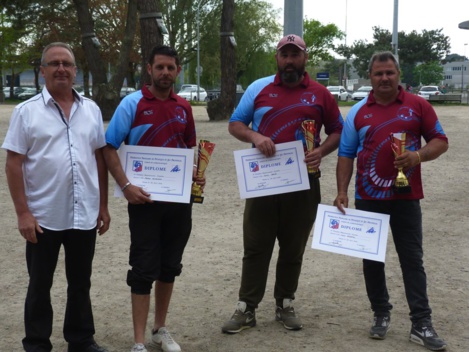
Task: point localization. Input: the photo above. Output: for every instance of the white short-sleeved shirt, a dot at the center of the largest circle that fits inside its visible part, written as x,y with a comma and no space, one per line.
60,169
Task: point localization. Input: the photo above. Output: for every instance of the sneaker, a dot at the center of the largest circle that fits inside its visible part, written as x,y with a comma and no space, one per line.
138,347
163,337
427,336
240,320
287,316
380,327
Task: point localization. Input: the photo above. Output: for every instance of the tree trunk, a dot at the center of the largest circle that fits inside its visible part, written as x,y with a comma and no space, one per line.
222,108
105,93
150,33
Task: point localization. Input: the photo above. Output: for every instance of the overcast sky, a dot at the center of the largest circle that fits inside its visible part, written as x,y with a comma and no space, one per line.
362,15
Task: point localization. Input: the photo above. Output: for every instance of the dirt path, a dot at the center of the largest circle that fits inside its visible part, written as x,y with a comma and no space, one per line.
331,297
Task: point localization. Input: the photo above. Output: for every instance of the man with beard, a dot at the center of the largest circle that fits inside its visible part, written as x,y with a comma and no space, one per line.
275,108
159,231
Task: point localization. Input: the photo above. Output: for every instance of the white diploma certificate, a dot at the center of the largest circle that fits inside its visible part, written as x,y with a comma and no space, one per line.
284,172
358,233
165,173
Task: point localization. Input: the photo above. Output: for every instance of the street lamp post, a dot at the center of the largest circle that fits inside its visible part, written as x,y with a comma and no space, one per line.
462,69
198,53
345,44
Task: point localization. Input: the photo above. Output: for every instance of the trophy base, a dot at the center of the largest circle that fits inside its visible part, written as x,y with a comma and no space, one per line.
315,174
197,199
402,189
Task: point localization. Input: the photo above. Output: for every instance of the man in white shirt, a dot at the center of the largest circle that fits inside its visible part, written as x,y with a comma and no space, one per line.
58,182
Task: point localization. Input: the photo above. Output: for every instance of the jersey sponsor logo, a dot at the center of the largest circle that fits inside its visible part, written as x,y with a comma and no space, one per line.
148,112
273,95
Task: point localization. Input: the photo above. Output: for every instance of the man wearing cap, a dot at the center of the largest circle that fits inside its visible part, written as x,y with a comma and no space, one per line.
274,107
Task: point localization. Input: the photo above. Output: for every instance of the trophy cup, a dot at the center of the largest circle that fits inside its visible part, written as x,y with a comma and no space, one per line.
401,184
309,131
203,157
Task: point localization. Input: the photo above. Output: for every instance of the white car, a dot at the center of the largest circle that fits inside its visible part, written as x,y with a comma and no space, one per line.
426,91
339,92
27,93
361,92
190,93
126,91
16,91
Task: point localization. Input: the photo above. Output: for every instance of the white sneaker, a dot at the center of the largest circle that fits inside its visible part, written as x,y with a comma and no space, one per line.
138,347
163,337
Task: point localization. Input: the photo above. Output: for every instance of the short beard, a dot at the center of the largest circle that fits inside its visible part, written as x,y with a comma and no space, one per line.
291,76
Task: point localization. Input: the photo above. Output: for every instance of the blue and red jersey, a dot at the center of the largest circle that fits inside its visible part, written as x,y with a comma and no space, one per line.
277,111
141,119
366,136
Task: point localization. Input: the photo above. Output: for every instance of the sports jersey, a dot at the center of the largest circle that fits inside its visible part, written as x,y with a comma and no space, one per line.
277,111
141,119
366,136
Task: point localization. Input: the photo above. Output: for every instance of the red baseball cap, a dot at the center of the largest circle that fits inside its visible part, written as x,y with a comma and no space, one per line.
292,39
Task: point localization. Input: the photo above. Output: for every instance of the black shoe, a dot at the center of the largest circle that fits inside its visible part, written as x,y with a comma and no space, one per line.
94,347
427,336
380,327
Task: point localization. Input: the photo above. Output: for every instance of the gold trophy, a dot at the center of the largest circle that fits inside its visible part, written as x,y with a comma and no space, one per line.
401,183
203,157
309,131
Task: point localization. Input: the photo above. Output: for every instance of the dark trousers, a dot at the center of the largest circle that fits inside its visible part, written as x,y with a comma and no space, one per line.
159,233
287,218
41,259
406,227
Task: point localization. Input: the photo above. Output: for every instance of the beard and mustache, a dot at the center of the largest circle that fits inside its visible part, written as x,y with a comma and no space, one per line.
293,75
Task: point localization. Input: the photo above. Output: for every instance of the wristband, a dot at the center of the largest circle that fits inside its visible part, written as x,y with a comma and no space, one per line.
125,186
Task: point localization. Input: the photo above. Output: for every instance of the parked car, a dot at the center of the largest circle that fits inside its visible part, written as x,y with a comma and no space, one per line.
339,92
361,92
16,91
80,90
426,91
185,86
27,93
215,93
190,93
126,91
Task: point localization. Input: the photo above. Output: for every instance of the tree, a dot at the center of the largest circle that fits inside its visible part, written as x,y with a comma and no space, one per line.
414,48
105,93
221,108
429,73
150,34
320,40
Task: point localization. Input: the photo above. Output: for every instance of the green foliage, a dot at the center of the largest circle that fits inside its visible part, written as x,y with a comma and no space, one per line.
320,40
414,48
429,73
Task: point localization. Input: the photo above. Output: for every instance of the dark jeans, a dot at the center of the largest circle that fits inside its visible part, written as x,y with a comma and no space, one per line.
41,259
287,218
406,227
